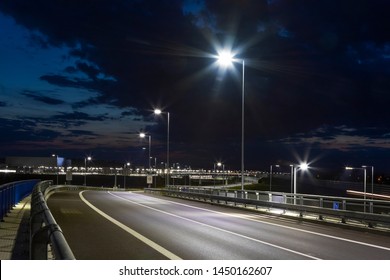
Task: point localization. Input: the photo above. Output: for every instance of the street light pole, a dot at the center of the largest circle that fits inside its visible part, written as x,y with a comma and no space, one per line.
159,112
168,116
124,174
292,177
270,177
56,156
303,167
143,135
364,182
226,58
372,177
242,124
85,171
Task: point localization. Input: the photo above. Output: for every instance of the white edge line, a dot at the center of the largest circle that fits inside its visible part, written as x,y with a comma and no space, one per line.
216,228
137,235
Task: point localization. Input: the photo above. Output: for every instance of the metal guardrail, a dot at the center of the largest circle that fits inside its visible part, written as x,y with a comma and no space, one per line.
45,234
12,193
373,213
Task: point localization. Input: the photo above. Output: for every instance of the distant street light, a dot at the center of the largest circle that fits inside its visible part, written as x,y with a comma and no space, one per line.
303,166
270,175
226,58
54,155
143,135
85,172
372,177
219,164
364,181
159,112
124,173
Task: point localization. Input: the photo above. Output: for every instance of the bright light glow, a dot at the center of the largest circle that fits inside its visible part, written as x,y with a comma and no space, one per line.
225,58
157,111
304,166
379,196
7,171
89,158
349,168
142,135
219,164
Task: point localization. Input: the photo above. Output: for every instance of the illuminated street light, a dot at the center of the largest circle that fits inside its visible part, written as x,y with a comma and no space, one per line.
143,135
270,175
124,173
85,172
303,166
54,155
226,58
372,177
219,164
159,112
364,181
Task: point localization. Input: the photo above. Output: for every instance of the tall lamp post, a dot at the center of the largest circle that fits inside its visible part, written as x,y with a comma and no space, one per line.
303,167
372,177
364,181
225,59
85,171
124,174
219,164
270,175
143,135
159,112
56,156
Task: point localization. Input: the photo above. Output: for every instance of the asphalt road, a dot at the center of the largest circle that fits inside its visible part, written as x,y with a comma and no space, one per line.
128,225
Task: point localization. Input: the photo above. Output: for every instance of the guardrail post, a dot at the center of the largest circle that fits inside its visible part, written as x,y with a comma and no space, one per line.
320,217
257,199
344,204
371,207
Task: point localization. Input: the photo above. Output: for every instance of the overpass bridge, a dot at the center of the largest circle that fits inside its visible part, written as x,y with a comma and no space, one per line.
108,224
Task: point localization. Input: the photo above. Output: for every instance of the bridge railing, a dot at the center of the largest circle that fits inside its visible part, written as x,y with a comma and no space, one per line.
45,234
373,213
12,193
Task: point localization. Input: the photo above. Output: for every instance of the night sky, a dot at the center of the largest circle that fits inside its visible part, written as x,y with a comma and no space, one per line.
82,78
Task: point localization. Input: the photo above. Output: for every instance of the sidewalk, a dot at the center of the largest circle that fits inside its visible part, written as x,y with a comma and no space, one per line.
14,232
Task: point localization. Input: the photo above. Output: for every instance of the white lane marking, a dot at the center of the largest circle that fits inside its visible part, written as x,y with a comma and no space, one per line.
137,235
283,226
216,228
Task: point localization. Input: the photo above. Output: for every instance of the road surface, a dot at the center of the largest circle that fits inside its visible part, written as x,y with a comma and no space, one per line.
132,225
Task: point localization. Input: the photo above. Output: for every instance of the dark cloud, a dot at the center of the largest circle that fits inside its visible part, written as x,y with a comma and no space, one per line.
79,117
3,104
82,132
23,131
44,99
91,71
